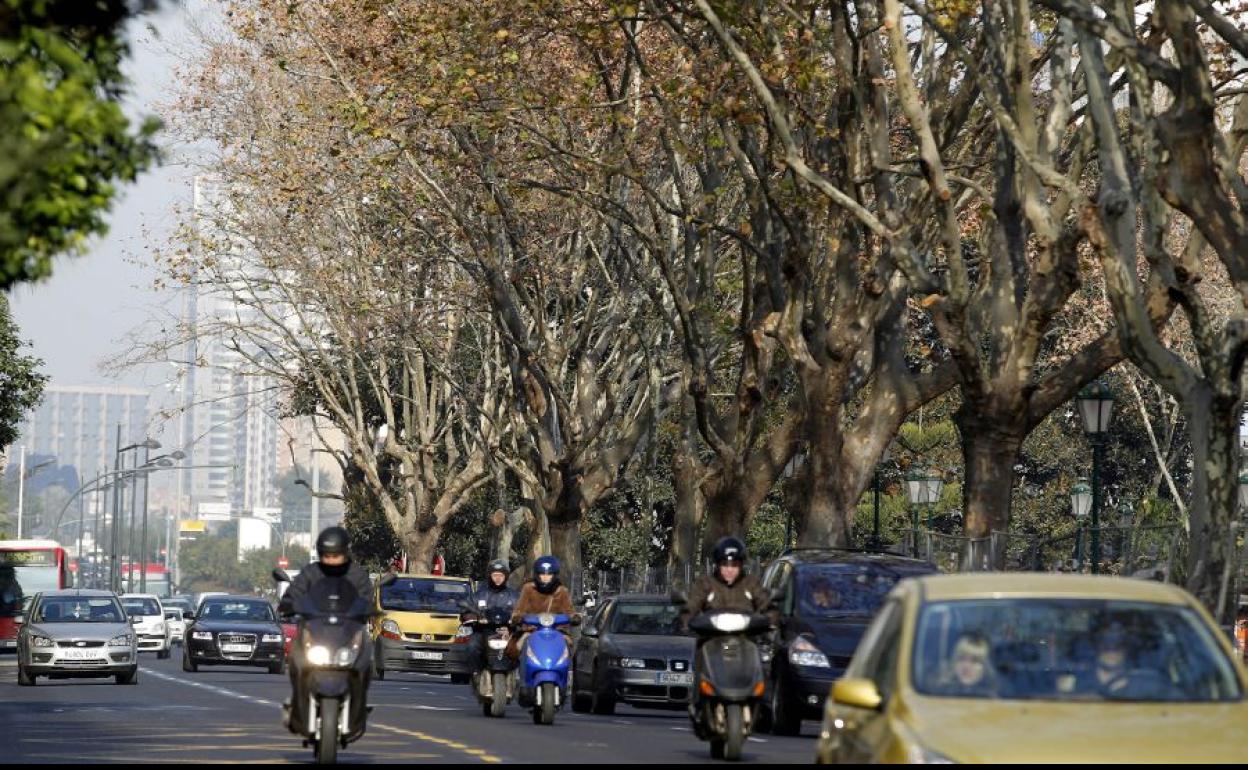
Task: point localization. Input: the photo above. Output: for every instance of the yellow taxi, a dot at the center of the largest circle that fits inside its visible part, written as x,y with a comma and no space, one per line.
419,624
1025,667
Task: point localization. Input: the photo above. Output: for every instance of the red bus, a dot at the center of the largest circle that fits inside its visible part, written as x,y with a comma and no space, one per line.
26,568
157,579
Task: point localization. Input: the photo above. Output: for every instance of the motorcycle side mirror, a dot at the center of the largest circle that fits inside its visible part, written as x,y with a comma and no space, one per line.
280,576
19,619
679,597
589,631
387,579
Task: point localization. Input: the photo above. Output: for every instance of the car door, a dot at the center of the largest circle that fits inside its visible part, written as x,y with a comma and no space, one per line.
863,731
586,654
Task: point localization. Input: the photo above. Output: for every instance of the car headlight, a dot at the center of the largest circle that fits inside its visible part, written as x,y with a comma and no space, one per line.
271,638
202,635
803,653
629,662
463,631
42,641
121,640
391,628
319,655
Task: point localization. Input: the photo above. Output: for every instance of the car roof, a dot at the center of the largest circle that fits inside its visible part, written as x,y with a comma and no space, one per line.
799,556
235,598
1046,585
140,596
434,577
642,598
93,593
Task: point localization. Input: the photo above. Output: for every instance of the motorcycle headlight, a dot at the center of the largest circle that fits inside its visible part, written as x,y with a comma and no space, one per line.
42,641
630,662
497,644
546,619
803,653
319,655
731,622
121,640
563,657
346,656
271,638
528,651
205,636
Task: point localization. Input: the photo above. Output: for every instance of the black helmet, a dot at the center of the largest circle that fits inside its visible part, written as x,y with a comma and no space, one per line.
729,549
333,540
498,565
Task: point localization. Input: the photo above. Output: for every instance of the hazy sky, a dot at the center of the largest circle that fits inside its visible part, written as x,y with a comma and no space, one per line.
80,316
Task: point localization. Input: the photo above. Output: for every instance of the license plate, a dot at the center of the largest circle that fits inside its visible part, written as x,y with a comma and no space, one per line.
666,678
423,655
236,648
79,654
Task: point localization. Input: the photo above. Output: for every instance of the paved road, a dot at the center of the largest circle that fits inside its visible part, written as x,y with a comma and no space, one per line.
232,715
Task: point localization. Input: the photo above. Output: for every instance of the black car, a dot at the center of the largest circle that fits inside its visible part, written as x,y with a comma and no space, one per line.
826,598
633,651
234,631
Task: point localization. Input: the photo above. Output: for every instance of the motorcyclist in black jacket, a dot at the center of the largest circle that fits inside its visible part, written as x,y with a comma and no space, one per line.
333,549
494,593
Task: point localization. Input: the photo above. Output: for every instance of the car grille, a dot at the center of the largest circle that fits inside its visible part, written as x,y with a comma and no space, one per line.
78,645
237,639
428,637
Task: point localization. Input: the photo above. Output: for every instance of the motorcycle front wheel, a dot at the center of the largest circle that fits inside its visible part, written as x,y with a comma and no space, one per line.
498,706
735,732
327,747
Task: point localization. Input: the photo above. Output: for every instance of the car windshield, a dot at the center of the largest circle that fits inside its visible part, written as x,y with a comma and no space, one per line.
173,614
78,609
140,606
1070,649
235,610
843,589
423,595
646,619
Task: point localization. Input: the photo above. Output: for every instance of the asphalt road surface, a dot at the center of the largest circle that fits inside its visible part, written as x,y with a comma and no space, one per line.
232,714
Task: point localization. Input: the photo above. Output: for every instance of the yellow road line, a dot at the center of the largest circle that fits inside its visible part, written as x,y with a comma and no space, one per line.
480,754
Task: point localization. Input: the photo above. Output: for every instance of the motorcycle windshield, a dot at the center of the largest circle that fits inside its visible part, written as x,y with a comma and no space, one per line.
333,597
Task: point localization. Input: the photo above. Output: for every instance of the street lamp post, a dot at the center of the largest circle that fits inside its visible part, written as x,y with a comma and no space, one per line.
875,523
1096,408
1080,505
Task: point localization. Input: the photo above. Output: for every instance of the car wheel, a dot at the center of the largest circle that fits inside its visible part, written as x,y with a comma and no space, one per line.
582,702
23,678
785,719
128,678
277,668
461,678
164,654
603,705
188,664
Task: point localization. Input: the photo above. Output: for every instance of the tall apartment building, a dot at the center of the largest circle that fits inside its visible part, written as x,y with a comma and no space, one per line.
77,424
229,418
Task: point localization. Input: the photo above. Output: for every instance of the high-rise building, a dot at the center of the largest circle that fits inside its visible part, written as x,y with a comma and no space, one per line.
229,415
77,424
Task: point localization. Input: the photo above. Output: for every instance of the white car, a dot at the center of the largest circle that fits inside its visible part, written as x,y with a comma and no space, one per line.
176,624
149,623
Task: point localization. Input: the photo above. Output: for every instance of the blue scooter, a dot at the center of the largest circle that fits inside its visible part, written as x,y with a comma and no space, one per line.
544,667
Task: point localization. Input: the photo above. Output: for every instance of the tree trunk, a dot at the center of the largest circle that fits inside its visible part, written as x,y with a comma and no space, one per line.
1213,424
688,511
825,518
506,524
727,513
991,441
565,544
421,545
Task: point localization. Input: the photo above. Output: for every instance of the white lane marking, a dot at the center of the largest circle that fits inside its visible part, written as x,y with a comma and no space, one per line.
210,688
419,707
681,729
752,739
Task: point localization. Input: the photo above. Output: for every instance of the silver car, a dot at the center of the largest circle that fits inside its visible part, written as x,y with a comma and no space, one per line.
77,633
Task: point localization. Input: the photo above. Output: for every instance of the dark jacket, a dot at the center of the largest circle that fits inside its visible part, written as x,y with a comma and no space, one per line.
311,574
710,592
495,598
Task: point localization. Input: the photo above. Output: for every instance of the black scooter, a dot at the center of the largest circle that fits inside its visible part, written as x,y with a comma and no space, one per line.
494,684
335,657
729,679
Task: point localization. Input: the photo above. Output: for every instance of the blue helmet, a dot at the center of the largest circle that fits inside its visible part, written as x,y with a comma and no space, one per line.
546,565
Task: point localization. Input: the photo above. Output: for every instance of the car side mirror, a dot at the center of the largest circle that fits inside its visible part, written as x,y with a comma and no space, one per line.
135,620
857,693
280,576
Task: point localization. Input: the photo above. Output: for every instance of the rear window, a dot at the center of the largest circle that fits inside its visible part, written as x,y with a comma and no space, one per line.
141,607
831,590
424,595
